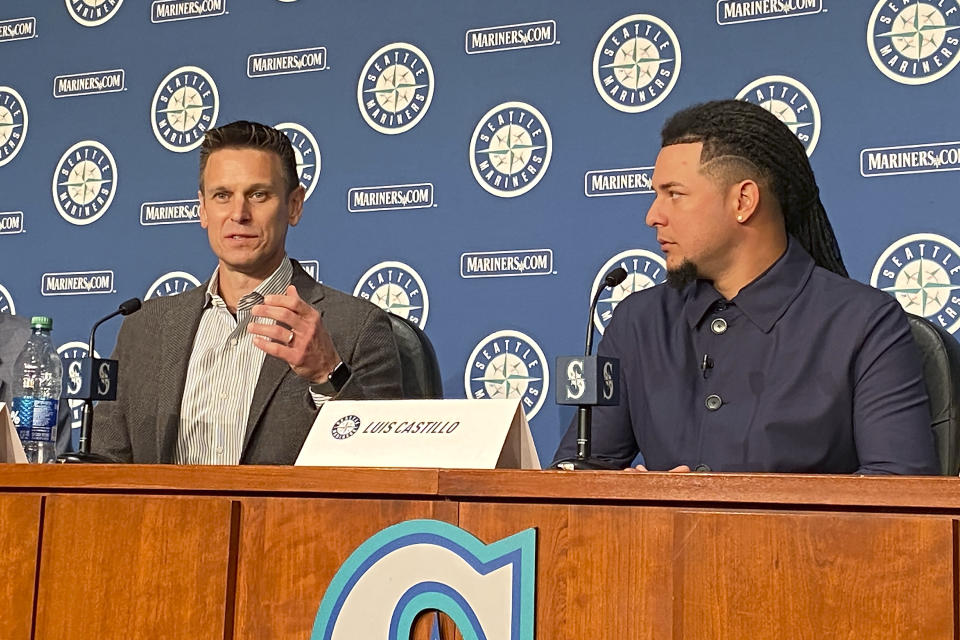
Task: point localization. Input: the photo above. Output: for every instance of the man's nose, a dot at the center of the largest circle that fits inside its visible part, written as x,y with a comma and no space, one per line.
654,217
240,211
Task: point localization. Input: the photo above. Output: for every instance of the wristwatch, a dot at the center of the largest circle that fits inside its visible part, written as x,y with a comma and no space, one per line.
334,383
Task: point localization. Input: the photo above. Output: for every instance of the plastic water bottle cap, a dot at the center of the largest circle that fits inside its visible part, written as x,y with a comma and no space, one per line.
41,322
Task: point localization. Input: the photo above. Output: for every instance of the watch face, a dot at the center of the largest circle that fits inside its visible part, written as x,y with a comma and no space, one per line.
13,124
395,88
510,149
92,13
185,105
636,63
308,154
791,102
84,182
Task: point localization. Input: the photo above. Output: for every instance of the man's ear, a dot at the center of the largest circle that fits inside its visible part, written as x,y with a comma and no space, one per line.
744,199
295,205
203,209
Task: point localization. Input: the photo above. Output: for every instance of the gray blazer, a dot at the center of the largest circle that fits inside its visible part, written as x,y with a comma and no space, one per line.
153,349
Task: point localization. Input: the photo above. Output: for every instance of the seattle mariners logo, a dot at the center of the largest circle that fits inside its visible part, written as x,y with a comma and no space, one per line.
636,63
92,13
71,353
6,302
914,43
308,154
13,124
170,284
396,288
644,270
510,149
185,105
84,182
791,102
345,427
507,365
395,88
923,272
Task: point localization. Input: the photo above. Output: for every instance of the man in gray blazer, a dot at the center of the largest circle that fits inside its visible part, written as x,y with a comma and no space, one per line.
235,370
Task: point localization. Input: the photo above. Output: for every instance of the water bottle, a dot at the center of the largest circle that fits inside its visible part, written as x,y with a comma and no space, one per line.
36,393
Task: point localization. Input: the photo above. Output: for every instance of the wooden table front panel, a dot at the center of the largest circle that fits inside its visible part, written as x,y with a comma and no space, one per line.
19,534
134,567
290,548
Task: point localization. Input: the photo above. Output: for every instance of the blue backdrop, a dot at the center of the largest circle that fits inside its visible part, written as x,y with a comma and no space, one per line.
474,165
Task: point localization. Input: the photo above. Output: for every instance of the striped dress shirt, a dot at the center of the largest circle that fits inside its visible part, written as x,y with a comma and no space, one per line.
222,375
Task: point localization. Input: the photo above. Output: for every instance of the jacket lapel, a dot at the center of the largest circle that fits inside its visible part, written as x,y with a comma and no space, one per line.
178,330
274,370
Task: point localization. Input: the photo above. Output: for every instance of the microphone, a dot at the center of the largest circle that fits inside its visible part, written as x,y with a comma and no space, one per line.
590,381
97,381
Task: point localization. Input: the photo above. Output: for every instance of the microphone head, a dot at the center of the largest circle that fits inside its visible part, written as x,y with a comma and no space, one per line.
132,305
615,277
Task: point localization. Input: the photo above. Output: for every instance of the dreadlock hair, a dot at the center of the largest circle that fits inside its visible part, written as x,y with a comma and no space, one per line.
745,140
252,135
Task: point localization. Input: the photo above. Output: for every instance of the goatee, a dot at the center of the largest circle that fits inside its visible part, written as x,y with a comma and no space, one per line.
683,275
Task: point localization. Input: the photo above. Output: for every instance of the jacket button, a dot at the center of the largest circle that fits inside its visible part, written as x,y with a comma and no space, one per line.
713,402
718,326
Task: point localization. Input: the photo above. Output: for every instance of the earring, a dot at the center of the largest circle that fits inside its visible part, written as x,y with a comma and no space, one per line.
739,218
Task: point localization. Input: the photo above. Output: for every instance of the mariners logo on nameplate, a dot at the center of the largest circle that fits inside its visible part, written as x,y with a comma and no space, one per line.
922,271
395,88
636,63
644,268
13,124
396,288
84,182
791,101
71,353
184,106
510,149
92,13
508,365
6,302
307,150
170,284
345,427
914,42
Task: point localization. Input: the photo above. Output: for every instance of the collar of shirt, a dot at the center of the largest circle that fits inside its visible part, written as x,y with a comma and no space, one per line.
276,283
765,299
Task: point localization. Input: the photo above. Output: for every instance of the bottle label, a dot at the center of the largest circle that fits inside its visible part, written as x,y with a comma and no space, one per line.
35,418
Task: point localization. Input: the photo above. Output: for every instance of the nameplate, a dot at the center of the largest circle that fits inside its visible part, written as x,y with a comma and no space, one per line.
11,450
444,434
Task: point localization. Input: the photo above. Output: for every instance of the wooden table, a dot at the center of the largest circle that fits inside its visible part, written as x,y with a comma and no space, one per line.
246,552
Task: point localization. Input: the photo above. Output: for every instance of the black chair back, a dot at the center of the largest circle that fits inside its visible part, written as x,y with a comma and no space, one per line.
418,360
941,371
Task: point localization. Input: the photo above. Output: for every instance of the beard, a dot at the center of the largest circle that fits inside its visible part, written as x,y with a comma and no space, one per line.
683,275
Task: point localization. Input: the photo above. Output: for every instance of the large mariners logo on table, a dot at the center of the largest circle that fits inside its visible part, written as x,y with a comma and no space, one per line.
6,301
13,124
636,63
170,284
507,365
791,102
92,13
71,353
923,272
308,154
644,270
396,288
395,88
510,149
914,42
184,106
84,182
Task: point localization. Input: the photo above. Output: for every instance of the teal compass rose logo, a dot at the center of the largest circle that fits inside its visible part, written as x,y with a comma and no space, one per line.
84,182
922,272
171,284
185,105
395,88
396,288
307,151
792,103
644,268
92,13
915,43
508,365
510,149
13,124
636,63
